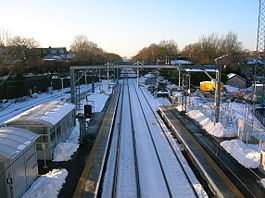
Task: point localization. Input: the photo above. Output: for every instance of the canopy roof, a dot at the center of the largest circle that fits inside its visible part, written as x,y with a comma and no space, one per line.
48,114
14,140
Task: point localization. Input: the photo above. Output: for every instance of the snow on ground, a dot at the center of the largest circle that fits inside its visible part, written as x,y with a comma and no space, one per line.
215,129
64,150
203,112
48,185
262,181
166,155
99,97
99,100
231,89
160,101
198,187
246,154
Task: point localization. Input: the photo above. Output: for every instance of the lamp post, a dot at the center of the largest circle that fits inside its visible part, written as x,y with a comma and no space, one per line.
218,88
62,87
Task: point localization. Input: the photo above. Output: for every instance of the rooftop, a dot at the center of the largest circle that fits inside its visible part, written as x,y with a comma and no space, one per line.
13,141
48,113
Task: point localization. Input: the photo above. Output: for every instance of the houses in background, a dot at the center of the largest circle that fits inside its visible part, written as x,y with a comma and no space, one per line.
54,54
248,68
237,81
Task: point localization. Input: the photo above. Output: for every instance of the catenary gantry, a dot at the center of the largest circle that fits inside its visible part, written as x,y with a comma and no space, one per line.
76,74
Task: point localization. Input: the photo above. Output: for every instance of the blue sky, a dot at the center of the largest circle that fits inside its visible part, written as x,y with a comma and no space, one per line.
126,26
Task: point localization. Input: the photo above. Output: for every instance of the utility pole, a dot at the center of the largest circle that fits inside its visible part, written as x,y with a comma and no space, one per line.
72,85
218,88
93,81
86,82
137,76
108,74
259,70
137,73
218,93
179,74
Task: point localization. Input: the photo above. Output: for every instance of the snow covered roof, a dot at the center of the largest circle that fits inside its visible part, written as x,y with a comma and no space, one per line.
252,61
14,140
176,62
48,113
50,57
199,70
231,75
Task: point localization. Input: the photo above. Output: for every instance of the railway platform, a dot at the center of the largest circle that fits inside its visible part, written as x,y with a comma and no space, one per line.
88,183
226,178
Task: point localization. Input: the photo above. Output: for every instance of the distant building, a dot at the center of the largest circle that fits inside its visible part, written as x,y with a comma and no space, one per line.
53,51
235,80
183,62
54,54
248,67
179,60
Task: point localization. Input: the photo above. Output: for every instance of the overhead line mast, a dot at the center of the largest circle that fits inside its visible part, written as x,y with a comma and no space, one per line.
259,70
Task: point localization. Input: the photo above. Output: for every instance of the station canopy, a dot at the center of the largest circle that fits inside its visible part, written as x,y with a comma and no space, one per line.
13,141
48,113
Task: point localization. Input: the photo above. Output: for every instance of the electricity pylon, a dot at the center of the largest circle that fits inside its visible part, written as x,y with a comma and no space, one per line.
259,71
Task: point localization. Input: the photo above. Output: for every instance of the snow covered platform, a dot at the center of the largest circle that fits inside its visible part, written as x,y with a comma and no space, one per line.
225,176
89,180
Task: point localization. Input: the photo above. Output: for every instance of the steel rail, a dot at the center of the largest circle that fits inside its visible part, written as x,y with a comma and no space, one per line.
155,147
138,186
171,146
117,157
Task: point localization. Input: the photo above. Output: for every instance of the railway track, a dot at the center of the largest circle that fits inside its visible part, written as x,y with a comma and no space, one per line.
176,154
137,174
244,180
122,167
136,165
154,145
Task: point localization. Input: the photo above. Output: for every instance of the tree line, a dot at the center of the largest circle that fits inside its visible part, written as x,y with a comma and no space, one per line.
208,48
156,53
18,53
205,51
88,52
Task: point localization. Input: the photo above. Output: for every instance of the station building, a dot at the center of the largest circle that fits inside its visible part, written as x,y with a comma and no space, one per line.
18,161
53,121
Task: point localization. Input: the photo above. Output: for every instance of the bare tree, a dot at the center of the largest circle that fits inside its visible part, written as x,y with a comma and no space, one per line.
86,51
168,48
163,50
5,36
210,47
111,57
20,48
18,51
